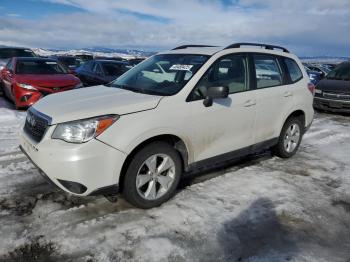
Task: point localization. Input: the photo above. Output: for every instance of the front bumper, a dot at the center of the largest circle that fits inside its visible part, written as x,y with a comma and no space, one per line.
336,106
79,169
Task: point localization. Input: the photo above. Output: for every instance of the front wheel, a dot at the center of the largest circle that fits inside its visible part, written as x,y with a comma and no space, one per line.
153,175
290,138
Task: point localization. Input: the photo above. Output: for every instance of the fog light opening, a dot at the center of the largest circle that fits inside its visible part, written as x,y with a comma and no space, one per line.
73,187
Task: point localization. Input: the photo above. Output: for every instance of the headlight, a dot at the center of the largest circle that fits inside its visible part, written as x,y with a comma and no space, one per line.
81,131
80,85
28,87
318,91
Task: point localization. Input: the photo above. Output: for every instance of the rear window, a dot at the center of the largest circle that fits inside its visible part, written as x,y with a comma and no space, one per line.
293,70
6,53
267,70
40,67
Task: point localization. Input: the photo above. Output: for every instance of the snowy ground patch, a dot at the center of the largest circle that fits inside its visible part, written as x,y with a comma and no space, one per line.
260,208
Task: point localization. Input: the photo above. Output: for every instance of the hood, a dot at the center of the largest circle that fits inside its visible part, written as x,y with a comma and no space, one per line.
334,85
93,101
57,80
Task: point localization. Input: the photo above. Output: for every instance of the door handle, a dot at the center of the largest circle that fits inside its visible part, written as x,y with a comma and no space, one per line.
287,94
249,103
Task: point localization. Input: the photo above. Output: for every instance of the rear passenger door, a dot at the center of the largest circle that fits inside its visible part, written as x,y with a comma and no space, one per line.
274,96
227,125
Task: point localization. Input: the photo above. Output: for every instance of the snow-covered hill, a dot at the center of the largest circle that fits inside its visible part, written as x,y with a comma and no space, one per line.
96,51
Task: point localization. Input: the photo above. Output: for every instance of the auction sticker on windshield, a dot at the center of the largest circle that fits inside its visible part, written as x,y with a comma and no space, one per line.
181,67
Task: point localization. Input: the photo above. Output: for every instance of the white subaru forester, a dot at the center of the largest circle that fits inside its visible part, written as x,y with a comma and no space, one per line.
180,110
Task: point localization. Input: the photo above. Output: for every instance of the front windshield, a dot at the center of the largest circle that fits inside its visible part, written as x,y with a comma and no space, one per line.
40,67
342,72
14,52
163,75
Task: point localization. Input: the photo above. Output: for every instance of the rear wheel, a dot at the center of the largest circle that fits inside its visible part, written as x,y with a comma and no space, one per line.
290,138
153,175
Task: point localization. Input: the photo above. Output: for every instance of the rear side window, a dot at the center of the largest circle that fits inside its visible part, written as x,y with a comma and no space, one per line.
293,70
267,70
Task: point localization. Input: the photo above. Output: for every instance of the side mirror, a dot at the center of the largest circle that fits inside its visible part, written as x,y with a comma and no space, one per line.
215,92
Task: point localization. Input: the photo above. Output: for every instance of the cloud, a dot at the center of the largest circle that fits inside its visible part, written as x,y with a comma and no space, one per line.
306,27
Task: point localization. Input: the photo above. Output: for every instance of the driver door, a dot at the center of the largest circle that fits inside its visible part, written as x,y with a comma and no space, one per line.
227,125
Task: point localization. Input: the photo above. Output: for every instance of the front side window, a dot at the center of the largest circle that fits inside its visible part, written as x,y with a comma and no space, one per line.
97,69
87,66
41,67
164,74
267,70
230,71
293,70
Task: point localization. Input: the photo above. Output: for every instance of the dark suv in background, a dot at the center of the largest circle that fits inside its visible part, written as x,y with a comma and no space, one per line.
333,92
8,52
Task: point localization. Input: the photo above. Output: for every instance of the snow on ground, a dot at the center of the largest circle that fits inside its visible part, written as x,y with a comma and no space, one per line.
260,208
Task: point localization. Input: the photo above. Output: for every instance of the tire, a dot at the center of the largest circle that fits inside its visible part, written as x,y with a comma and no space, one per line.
282,149
152,193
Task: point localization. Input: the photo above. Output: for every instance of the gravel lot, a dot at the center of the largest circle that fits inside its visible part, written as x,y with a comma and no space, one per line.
260,208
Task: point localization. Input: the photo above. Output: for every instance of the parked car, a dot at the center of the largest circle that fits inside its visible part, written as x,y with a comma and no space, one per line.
27,79
135,61
320,69
333,92
140,133
112,58
70,62
330,66
314,76
84,57
8,52
100,72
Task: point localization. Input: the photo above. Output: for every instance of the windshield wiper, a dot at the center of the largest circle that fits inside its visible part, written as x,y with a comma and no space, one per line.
137,90
126,87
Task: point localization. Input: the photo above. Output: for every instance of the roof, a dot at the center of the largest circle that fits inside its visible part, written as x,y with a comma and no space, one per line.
195,50
238,47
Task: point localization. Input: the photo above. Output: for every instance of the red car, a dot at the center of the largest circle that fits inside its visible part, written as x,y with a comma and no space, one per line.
27,79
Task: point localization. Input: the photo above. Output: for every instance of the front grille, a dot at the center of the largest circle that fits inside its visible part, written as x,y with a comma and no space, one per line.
45,93
35,125
44,90
337,95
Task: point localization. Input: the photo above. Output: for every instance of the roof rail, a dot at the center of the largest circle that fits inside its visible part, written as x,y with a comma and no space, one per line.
269,47
186,46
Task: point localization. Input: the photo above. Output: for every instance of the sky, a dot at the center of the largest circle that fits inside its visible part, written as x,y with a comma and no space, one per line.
306,27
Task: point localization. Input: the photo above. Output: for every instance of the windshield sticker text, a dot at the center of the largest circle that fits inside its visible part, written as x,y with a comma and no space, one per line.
181,67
